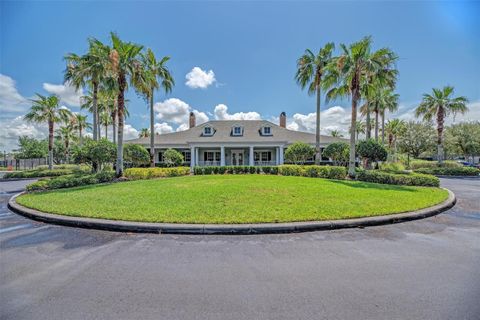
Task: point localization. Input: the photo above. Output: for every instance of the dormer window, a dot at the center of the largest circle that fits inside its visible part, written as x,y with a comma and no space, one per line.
266,131
208,131
237,131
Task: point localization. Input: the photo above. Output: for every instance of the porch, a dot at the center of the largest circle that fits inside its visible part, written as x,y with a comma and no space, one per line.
237,156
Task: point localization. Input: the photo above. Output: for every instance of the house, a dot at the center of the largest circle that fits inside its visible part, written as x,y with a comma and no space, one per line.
232,142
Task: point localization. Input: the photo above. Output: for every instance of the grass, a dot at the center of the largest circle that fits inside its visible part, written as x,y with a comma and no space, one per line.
233,199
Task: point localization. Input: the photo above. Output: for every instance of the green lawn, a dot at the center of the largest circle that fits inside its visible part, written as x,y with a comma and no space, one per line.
233,199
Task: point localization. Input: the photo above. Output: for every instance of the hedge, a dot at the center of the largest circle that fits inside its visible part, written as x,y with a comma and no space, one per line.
329,172
442,171
412,179
38,173
416,164
151,173
69,181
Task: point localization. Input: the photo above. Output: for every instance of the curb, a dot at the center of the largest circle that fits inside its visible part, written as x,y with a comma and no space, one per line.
261,228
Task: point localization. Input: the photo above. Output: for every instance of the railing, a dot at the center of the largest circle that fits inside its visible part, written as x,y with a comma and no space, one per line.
265,163
208,163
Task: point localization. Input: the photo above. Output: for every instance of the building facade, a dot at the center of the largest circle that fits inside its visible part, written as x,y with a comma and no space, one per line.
232,142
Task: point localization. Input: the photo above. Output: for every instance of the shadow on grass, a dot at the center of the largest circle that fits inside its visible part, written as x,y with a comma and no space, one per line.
377,186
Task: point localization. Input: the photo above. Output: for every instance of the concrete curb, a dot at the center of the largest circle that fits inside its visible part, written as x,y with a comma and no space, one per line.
261,228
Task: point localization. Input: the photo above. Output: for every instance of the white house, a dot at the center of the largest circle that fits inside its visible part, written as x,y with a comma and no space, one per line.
232,142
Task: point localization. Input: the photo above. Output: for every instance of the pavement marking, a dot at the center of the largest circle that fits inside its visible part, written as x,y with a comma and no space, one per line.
17,227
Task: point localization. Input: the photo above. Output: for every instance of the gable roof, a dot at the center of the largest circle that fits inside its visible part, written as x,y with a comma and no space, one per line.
223,134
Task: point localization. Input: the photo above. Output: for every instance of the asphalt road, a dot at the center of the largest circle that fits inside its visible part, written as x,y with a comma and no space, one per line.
427,269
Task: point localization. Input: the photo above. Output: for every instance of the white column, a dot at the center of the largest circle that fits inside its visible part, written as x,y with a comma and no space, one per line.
277,158
196,156
222,156
280,158
250,157
192,158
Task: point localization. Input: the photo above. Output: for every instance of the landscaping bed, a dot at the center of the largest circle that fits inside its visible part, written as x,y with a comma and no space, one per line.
233,199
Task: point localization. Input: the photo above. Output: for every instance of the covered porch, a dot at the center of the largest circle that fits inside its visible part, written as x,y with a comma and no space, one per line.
237,156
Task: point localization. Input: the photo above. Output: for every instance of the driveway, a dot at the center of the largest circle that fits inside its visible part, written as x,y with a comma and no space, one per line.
427,269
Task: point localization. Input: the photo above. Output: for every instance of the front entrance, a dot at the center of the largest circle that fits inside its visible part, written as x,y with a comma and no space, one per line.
237,157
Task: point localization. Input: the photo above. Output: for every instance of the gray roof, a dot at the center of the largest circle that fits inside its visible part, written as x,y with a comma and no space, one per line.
223,134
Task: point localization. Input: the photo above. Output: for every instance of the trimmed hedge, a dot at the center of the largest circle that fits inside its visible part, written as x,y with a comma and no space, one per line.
328,172
37,173
442,171
416,164
69,181
151,173
412,179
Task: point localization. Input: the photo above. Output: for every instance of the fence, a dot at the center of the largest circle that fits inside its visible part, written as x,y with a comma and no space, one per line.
23,164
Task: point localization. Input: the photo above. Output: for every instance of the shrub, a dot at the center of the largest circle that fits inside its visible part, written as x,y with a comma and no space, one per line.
37,173
371,150
172,158
69,181
416,164
151,173
442,171
96,153
338,152
394,167
136,155
299,153
291,170
413,179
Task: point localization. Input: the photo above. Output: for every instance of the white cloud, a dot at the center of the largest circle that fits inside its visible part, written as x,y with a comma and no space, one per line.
130,132
176,111
11,100
334,118
198,78
65,92
13,128
221,113
162,128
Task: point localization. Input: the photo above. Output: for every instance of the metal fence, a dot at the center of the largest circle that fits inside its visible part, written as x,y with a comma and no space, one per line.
23,164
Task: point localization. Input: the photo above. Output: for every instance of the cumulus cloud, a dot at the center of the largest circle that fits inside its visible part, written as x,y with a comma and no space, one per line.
11,101
65,92
198,78
176,111
162,128
221,113
334,118
14,128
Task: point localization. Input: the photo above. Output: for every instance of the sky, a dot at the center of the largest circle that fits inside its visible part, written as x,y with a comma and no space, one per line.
234,60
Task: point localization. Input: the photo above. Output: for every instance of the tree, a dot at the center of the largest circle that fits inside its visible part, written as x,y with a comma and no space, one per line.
148,83
299,153
125,64
144,133
105,120
136,155
90,68
338,152
67,135
31,148
310,70
394,129
172,158
336,134
417,138
80,124
359,128
349,72
464,139
440,104
388,102
96,153
46,109
371,151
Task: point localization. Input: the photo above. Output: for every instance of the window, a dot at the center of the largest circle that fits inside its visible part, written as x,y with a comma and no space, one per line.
263,156
211,156
160,156
267,131
237,131
186,156
207,131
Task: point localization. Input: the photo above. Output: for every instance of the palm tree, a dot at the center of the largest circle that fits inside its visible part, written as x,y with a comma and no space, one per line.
394,128
147,84
388,102
349,72
124,59
92,68
441,104
80,124
47,109
310,70
144,133
66,134
336,134
360,127
105,121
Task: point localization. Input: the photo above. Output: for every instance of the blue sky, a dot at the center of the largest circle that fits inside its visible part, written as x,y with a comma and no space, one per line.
250,47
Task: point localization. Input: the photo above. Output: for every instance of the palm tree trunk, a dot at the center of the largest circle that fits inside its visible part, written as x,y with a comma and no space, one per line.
106,133
376,124
95,110
383,127
50,144
121,106
318,153
440,121
351,160
369,126
152,131
67,153
81,136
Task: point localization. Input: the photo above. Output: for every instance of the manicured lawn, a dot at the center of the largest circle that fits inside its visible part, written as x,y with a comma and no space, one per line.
233,199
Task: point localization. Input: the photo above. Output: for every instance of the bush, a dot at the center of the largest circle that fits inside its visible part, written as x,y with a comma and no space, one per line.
371,150
339,152
69,181
96,153
416,164
172,158
413,179
299,153
136,155
393,167
37,173
442,171
151,173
